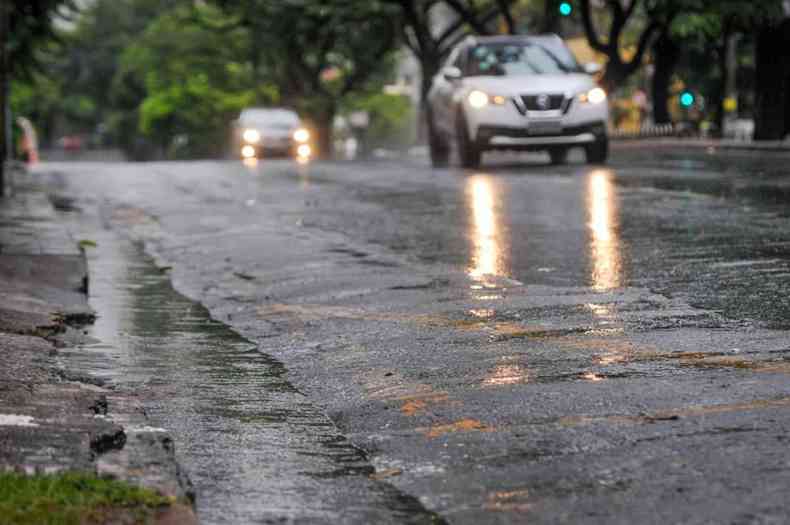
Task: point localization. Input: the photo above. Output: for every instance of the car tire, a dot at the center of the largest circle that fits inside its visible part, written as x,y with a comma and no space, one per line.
598,151
558,156
468,151
437,145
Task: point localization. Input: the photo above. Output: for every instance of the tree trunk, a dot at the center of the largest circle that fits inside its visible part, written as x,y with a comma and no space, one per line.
667,54
613,77
772,79
429,68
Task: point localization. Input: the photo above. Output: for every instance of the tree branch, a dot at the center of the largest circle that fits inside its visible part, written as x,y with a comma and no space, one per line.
629,10
469,15
450,31
362,71
589,29
644,43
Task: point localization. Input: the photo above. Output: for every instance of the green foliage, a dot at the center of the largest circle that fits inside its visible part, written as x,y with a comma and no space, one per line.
701,29
319,51
709,18
66,499
30,22
186,82
166,77
392,119
38,97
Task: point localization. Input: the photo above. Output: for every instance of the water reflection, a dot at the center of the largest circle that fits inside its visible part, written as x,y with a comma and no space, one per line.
591,376
256,449
506,375
304,176
482,313
606,271
488,257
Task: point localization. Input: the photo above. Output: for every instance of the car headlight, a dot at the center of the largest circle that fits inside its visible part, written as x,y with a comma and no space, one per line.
251,135
594,96
304,150
478,99
301,135
248,152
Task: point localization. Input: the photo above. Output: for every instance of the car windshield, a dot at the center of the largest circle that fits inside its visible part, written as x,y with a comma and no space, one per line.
270,118
513,59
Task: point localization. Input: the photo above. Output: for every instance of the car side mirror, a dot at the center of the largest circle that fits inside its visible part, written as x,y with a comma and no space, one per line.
452,73
591,68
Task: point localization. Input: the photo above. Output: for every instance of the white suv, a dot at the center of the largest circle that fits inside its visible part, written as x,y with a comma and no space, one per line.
516,93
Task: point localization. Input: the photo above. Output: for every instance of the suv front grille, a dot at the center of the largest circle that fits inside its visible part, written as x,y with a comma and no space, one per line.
551,102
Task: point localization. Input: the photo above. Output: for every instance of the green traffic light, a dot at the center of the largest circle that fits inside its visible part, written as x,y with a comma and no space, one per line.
566,8
686,99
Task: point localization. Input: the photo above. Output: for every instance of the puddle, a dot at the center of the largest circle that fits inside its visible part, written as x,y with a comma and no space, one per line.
255,448
464,425
510,501
14,420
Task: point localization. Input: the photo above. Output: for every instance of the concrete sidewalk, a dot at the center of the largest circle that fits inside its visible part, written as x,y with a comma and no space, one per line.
54,418
43,273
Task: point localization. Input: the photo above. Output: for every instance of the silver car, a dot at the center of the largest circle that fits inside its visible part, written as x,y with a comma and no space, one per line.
270,131
516,93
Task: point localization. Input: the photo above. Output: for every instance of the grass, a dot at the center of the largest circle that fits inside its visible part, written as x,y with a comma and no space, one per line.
72,498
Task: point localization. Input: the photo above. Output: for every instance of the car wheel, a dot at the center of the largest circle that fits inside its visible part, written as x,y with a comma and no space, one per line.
598,151
558,155
439,149
468,151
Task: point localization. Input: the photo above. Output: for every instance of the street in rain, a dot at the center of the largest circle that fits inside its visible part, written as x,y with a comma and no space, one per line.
394,261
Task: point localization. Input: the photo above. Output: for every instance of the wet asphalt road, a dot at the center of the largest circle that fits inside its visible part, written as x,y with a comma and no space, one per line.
520,344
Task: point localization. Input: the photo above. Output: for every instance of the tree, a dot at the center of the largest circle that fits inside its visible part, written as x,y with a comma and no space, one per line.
772,97
319,52
92,58
136,70
705,29
666,54
430,42
620,14
185,84
24,25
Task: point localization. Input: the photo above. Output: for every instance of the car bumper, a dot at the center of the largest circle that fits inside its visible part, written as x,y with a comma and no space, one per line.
506,127
521,138
273,149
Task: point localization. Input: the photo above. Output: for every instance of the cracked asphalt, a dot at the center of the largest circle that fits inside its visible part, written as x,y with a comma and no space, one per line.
524,343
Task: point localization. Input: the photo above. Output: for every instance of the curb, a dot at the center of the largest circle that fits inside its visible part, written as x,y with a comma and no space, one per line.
54,418
734,145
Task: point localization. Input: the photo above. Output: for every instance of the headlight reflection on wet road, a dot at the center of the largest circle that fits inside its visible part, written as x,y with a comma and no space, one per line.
487,255
606,267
